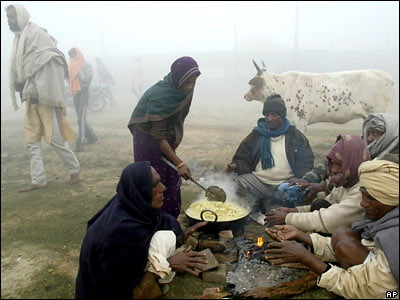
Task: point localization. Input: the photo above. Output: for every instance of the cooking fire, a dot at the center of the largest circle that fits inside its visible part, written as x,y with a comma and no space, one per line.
253,270
256,251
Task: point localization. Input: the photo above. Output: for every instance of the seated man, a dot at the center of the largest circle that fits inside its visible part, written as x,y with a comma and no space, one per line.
368,253
342,206
272,153
381,134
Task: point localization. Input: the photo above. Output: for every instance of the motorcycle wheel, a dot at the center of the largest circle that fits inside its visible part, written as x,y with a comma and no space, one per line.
98,104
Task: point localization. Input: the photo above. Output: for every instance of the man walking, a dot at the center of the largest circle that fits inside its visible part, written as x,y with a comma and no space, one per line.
80,78
38,71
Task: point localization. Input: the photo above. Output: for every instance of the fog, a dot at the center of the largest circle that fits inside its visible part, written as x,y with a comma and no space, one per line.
223,37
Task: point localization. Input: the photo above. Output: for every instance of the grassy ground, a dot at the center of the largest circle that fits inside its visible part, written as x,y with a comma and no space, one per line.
41,231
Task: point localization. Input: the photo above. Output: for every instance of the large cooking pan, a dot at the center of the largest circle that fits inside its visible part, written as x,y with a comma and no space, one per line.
216,225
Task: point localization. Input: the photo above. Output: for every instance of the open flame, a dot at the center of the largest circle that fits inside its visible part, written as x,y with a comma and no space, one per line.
260,241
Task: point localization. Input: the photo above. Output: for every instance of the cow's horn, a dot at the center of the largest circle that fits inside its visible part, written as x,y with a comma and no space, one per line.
264,66
259,72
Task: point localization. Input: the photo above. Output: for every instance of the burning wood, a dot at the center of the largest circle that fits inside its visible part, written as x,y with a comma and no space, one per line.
256,251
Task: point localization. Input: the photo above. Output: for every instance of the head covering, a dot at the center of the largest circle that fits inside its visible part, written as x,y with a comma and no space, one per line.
17,51
182,69
115,248
23,15
267,161
76,63
164,99
274,103
349,152
389,126
30,68
381,180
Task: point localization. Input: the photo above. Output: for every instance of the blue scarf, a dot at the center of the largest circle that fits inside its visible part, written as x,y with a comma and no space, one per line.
267,160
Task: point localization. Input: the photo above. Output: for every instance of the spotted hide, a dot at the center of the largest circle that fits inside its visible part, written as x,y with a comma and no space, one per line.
325,97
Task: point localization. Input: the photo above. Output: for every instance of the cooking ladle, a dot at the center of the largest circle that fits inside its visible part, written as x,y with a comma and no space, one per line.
213,193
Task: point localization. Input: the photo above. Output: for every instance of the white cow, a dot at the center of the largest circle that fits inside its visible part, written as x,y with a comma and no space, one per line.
325,97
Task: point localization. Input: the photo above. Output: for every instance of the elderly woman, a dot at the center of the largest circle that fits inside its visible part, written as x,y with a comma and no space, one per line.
342,206
368,253
130,243
381,134
157,127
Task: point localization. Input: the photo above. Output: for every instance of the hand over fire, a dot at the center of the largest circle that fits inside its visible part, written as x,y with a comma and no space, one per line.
277,216
190,230
312,188
282,232
286,252
187,260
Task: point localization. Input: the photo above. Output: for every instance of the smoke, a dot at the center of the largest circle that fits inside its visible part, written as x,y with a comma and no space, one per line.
230,186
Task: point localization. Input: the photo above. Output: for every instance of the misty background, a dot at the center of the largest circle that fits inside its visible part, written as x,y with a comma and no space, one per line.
223,36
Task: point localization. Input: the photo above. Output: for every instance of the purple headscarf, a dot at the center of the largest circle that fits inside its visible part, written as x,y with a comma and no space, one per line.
182,69
349,152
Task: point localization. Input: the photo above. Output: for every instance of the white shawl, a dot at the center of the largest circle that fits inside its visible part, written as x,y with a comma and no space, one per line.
37,64
17,51
389,140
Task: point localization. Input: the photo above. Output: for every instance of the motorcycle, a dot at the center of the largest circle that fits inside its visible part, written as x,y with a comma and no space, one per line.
98,97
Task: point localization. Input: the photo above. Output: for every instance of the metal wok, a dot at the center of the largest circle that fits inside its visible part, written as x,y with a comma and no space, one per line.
216,225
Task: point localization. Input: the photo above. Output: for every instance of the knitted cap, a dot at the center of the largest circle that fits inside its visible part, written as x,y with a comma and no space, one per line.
274,103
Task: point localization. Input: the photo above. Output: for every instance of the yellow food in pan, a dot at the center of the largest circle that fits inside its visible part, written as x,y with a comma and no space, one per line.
226,211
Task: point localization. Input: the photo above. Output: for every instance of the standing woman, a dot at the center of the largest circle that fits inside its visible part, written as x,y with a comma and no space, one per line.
157,127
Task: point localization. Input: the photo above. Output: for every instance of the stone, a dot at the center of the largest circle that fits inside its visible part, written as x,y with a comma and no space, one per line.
225,235
212,261
230,256
214,246
217,276
226,238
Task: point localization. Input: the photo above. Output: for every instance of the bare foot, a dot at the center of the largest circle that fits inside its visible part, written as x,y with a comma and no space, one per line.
74,178
32,187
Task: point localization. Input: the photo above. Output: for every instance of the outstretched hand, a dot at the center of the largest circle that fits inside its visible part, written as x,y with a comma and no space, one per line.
277,216
187,261
190,230
297,181
286,252
282,232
